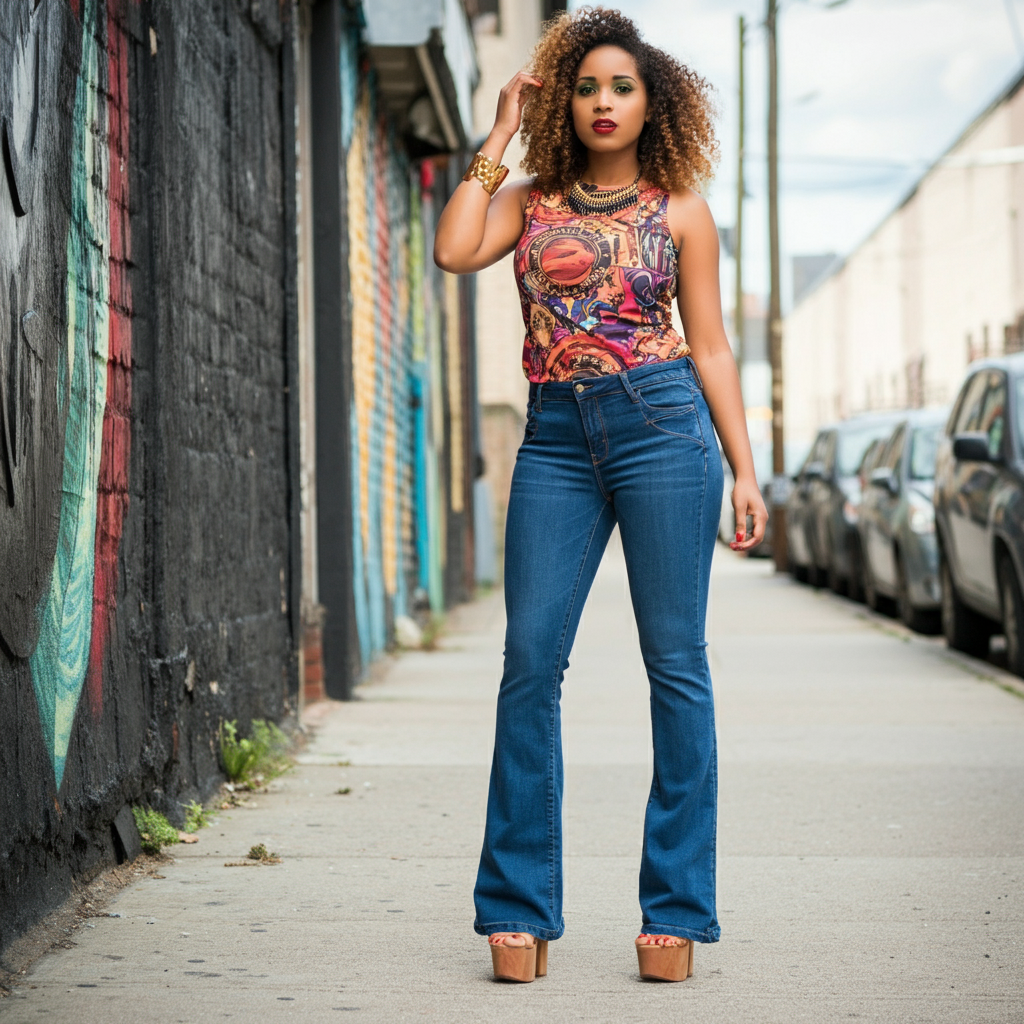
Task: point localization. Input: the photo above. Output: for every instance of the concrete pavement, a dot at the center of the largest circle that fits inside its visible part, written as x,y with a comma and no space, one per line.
871,843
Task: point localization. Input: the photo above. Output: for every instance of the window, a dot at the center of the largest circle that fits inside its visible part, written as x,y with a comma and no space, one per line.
872,458
818,449
485,16
993,413
923,448
829,454
854,443
894,449
969,413
1020,413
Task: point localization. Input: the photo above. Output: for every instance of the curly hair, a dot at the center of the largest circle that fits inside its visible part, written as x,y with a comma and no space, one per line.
677,147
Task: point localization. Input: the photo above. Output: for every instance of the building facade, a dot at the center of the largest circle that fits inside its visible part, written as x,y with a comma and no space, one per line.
938,284
384,91
506,32
238,435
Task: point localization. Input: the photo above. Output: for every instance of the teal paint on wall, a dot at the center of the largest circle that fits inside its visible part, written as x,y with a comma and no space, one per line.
61,658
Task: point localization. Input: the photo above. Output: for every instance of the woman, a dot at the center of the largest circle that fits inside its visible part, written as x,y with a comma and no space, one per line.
619,431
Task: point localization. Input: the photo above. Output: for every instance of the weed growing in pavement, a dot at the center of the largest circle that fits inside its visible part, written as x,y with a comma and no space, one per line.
237,756
257,856
154,828
259,852
253,761
196,816
431,632
344,791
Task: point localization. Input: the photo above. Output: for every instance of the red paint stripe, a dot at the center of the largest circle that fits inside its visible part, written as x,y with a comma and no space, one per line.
112,500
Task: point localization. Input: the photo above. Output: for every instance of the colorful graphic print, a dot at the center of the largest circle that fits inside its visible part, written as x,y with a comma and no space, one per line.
596,291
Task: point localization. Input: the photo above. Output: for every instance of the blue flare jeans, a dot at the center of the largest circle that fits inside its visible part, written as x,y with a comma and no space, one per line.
637,449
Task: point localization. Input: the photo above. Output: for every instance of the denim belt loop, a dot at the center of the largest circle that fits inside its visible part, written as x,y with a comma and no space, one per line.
696,374
540,391
627,387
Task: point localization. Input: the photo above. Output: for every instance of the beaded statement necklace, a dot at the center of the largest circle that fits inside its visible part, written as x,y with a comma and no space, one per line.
585,198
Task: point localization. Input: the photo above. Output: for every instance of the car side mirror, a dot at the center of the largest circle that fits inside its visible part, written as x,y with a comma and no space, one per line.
972,447
885,478
814,471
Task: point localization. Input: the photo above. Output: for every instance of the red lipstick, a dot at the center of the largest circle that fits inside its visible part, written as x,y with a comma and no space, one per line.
604,126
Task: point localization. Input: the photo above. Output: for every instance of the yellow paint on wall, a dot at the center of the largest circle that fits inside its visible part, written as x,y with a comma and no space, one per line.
361,284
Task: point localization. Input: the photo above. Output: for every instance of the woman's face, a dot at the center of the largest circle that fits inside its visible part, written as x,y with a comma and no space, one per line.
609,101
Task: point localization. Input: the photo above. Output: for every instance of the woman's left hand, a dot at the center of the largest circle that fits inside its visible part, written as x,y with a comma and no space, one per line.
747,501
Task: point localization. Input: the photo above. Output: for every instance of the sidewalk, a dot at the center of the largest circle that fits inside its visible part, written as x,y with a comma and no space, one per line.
871,844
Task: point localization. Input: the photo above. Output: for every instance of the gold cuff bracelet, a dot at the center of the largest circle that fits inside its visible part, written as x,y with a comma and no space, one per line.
487,172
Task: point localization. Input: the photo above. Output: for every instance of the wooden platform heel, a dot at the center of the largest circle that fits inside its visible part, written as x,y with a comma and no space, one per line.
520,963
665,963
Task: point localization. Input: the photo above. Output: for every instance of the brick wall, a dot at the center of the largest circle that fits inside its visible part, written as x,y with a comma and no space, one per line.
144,428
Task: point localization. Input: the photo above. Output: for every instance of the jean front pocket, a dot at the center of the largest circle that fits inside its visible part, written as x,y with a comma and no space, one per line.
669,406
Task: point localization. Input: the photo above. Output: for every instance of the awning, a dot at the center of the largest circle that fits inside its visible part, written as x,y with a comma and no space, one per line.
423,53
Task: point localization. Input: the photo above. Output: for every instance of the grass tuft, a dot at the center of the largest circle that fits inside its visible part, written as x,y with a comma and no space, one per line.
263,855
196,816
156,831
255,760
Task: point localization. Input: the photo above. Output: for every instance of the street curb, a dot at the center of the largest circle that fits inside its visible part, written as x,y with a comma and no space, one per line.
983,671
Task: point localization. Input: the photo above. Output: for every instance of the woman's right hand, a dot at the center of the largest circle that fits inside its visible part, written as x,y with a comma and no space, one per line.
510,104
474,230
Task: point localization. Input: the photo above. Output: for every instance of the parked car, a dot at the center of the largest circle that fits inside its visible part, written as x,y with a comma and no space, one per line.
855,580
900,556
823,505
727,517
979,510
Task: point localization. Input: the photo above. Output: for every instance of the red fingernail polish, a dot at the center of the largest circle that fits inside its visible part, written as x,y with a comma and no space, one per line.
739,536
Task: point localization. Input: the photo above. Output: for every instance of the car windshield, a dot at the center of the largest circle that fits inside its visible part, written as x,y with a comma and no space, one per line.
853,443
923,447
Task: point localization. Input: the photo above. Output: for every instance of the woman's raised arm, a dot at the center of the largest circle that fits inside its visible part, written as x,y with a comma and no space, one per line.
475,230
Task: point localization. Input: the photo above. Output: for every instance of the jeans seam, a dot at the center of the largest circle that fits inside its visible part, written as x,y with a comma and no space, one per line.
597,462
697,576
604,437
551,747
697,547
670,433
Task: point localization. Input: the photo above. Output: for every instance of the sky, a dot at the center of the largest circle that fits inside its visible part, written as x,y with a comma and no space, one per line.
871,93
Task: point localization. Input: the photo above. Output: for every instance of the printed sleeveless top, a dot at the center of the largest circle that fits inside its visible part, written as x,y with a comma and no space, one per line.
596,289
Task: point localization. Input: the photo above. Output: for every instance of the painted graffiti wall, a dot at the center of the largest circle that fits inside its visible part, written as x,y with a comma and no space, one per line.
144,476
411,414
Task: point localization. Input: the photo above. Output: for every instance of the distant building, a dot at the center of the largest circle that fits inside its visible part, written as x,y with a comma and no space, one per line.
940,282
505,33
809,272
755,330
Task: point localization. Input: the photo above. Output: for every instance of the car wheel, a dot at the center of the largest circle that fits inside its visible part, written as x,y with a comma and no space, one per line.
964,629
872,598
920,620
1013,616
855,581
836,583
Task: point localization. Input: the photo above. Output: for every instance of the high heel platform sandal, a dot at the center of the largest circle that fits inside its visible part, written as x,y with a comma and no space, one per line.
520,963
665,963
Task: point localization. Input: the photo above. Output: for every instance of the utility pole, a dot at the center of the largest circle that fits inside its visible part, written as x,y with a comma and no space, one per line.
739,320
780,483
